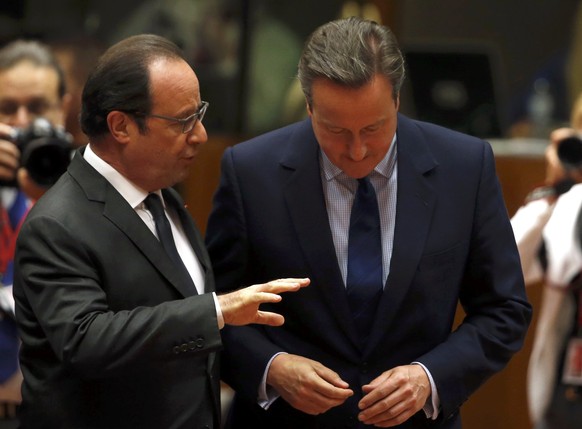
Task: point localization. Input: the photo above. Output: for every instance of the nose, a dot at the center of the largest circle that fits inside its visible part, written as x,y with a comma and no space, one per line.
357,149
198,134
21,117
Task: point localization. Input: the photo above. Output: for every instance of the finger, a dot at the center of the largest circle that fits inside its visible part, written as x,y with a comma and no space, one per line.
335,393
6,173
388,418
302,282
377,382
323,402
332,386
381,410
331,377
9,149
375,394
388,408
279,288
285,285
314,403
269,318
265,297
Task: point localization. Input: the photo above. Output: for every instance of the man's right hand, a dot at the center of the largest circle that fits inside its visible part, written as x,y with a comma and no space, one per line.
241,307
9,155
306,384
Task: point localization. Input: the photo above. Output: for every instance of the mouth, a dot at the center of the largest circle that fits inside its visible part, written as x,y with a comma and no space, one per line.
190,157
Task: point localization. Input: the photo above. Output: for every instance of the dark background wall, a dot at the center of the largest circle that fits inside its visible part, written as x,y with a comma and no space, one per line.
523,36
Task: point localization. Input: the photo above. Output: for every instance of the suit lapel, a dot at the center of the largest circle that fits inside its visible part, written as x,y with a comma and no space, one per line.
300,171
119,212
415,205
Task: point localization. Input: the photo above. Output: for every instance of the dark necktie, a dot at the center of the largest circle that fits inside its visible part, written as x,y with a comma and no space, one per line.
364,279
154,205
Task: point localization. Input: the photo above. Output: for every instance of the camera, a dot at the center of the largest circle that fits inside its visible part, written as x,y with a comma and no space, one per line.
45,150
569,152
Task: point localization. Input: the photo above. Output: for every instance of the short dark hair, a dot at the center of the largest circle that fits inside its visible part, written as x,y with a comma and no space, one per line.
120,81
36,53
350,52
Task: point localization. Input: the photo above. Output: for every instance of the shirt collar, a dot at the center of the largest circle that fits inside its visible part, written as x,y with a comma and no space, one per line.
132,193
385,167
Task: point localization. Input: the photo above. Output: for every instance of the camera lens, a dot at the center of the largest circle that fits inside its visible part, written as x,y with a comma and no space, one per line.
569,152
46,159
45,150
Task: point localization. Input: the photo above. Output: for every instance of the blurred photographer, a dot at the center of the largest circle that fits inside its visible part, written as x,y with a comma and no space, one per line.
548,231
32,86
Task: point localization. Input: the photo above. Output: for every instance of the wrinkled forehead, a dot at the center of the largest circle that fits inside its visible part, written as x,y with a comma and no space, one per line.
27,80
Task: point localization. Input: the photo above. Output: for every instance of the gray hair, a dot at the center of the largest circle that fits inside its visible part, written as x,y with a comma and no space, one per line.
34,52
351,52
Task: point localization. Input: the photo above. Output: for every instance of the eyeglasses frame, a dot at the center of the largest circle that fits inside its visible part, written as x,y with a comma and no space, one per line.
198,116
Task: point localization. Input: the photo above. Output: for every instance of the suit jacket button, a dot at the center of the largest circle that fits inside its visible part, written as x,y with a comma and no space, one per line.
192,345
176,350
200,342
184,347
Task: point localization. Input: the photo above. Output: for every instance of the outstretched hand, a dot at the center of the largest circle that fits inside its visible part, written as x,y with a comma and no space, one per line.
241,307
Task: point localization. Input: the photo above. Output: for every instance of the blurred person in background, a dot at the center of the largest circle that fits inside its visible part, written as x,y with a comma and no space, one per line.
548,231
32,86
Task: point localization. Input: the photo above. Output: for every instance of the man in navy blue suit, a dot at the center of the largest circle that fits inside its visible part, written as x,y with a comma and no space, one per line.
283,208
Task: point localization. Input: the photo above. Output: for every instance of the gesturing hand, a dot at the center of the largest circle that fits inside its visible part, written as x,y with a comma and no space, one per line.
306,384
241,307
394,396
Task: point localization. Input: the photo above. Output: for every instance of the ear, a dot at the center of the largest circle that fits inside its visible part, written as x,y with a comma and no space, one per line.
120,126
397,104
308,108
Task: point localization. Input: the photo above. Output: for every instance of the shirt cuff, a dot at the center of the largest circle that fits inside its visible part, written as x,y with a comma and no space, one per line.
267,394
433,403
219,316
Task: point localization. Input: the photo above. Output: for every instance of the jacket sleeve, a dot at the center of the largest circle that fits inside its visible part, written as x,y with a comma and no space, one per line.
492,295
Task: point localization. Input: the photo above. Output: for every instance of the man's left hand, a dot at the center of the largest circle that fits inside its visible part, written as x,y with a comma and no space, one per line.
394,396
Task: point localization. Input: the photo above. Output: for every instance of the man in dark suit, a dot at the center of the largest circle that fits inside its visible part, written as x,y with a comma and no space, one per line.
116,333
284,208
